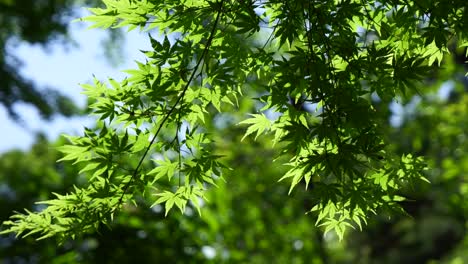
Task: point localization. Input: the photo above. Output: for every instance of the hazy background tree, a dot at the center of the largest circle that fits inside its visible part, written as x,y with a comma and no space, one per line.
43,23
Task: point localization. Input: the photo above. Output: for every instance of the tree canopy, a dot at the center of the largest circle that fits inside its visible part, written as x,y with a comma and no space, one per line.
311,79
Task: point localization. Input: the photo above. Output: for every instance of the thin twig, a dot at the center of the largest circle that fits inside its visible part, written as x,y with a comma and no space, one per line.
166,117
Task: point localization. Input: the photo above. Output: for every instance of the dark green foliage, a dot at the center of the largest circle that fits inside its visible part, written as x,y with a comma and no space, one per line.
436,230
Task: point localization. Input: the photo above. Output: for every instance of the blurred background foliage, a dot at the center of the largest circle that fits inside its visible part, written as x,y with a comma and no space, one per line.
40,22
249,221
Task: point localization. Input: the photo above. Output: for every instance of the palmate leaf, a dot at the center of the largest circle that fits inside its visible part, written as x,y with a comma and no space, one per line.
168,198
297,174
164,168
74,153
258,123
434,54
101,21
180,198
339,226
